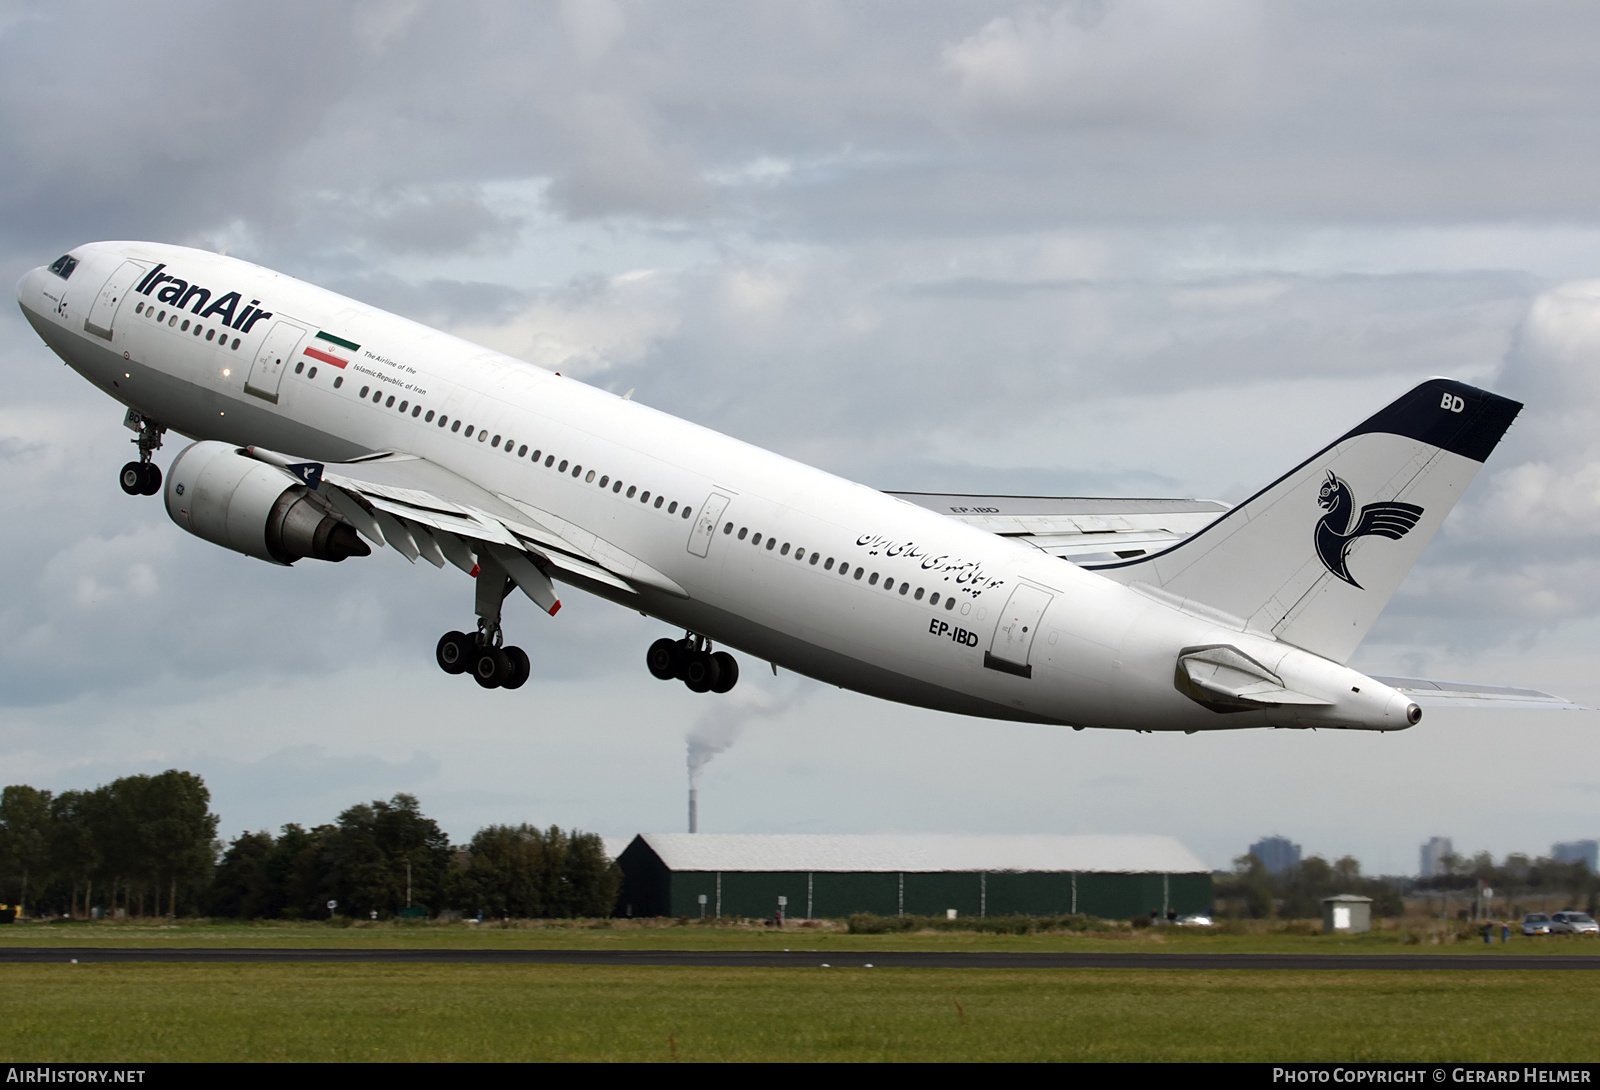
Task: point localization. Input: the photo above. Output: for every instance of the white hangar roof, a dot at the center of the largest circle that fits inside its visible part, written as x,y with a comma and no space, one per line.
921,853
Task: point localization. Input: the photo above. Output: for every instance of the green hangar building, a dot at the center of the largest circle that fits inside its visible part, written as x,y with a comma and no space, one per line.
744,875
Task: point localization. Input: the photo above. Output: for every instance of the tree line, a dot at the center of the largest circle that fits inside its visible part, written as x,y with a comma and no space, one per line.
147,845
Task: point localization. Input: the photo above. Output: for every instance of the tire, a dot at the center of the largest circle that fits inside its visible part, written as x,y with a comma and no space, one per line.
521,668
727,671
701,673
454,652
152,479
132,479
492,668
664,659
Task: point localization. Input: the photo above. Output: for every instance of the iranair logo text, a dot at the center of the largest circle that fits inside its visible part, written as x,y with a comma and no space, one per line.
1341,526
182,295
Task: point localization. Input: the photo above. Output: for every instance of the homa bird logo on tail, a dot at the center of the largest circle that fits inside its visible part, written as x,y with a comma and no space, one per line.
1341,526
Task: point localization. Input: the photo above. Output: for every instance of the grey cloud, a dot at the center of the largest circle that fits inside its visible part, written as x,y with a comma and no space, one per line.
433,302
1099,62
310,782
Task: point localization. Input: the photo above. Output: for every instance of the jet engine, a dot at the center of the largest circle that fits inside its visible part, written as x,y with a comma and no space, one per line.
217,492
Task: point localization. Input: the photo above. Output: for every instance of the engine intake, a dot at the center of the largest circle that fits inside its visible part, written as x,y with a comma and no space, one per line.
218,493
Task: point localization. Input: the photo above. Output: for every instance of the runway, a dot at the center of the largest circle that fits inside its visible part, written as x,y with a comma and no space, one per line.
796,959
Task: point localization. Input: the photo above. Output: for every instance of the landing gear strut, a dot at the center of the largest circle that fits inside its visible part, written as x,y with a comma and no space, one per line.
142,478
692,661
481,654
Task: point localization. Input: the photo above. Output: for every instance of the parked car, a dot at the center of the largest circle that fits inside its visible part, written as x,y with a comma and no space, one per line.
1536,923
1573,923
1195,921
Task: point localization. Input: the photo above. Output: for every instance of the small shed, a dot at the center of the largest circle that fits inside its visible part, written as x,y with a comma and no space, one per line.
1346,912
722,874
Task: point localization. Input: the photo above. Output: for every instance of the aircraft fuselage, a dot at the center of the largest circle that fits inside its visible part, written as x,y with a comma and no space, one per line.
785,562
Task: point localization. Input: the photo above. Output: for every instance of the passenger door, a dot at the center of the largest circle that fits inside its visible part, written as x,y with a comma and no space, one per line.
267,370
1014,632
104,308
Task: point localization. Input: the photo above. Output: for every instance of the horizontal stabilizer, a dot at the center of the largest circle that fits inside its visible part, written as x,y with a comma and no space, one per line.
1082,529
1465,694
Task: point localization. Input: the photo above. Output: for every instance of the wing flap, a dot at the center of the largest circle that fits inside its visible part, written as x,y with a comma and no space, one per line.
425,511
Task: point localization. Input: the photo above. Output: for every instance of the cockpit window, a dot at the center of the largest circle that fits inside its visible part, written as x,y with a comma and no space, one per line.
63,265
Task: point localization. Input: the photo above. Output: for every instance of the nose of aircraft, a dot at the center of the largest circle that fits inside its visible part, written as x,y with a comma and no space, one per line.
28,289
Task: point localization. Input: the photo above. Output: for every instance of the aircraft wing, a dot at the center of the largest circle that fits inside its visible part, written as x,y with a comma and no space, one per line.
1465,694
1082,529
424,510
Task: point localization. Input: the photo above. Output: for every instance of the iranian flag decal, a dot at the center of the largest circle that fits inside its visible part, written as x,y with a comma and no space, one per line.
326,354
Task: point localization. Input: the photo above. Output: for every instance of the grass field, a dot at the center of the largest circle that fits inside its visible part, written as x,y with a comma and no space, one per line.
134,1013
153,1012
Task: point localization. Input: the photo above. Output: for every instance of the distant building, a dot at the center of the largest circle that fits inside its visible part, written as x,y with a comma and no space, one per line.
1578,851
732,874
1276,853
1433,853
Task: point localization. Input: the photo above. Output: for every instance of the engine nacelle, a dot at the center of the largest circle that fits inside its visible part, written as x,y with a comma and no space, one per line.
217,492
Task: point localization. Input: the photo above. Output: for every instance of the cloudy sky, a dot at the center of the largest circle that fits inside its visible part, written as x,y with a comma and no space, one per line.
1114,247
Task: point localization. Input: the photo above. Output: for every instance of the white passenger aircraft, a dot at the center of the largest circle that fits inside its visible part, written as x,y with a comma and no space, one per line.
322,424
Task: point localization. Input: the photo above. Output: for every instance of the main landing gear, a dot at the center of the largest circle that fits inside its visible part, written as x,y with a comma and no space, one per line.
692,662
481,654
142,478
492,666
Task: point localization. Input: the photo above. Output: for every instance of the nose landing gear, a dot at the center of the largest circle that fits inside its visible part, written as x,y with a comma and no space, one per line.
143,477
692,661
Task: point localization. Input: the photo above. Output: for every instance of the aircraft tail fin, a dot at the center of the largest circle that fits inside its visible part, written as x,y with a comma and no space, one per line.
1315,556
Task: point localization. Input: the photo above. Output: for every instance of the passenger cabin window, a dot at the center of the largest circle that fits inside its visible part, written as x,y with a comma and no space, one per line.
63,265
